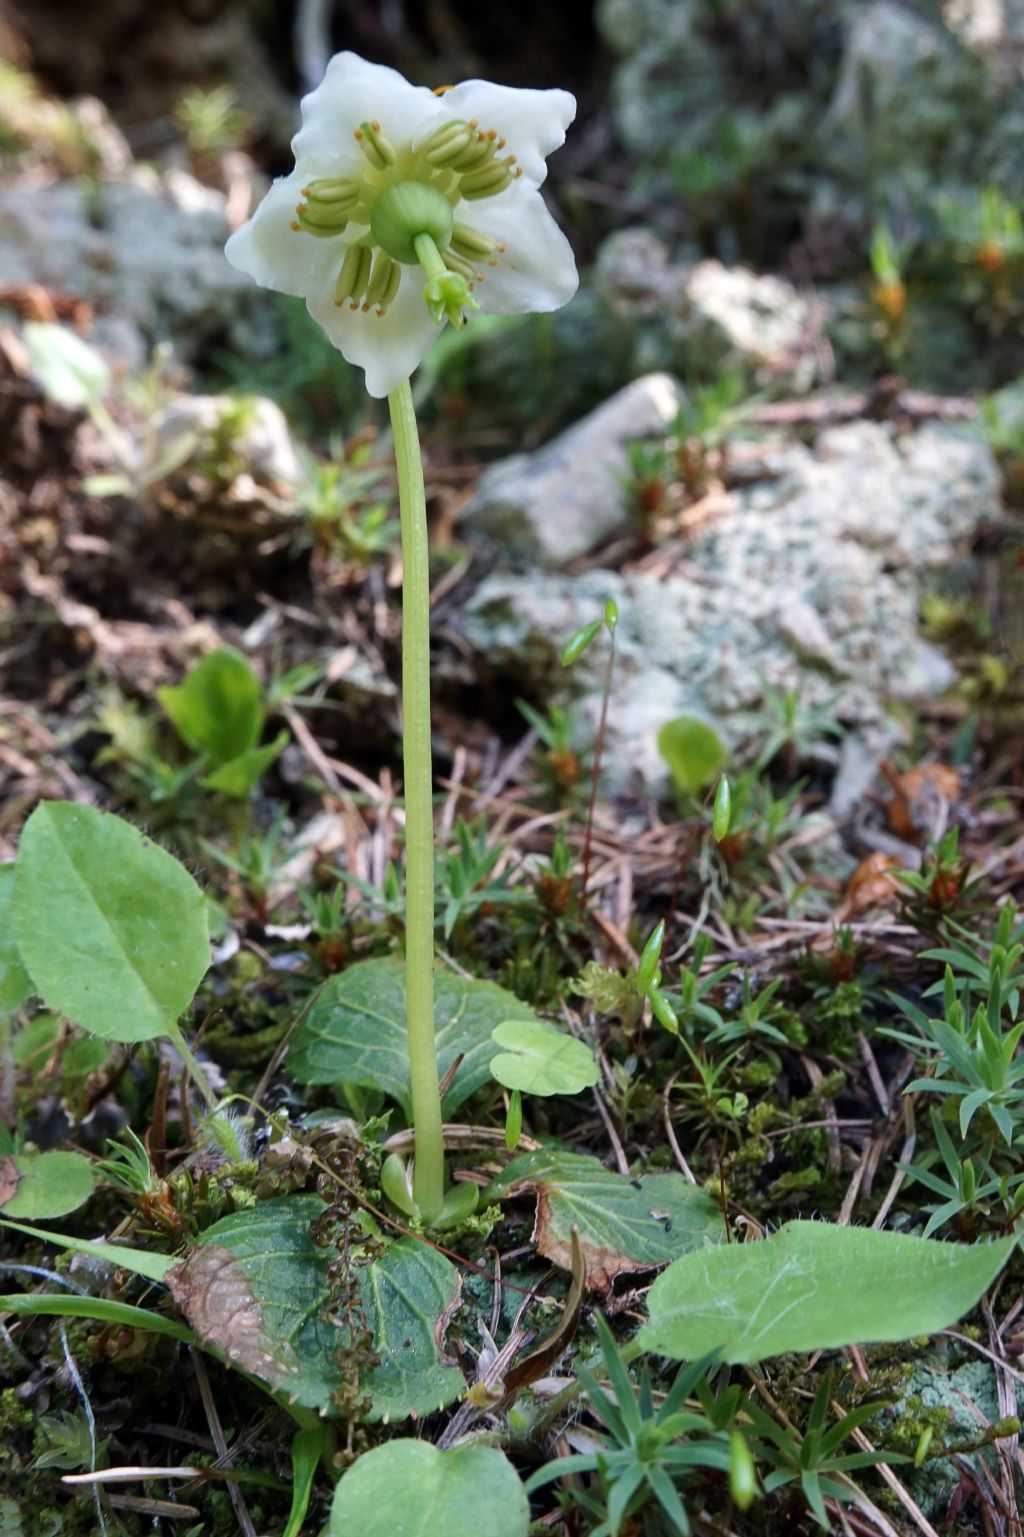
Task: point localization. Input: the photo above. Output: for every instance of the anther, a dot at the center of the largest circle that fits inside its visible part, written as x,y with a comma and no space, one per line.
475,154
354,275
446,142
488,181
378,150
471,243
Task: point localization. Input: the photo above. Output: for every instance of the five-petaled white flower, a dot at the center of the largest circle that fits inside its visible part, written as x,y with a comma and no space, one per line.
390,178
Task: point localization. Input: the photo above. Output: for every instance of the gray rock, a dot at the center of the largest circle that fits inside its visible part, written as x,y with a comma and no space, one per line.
570,496
810,581
146,252
260,437
705,317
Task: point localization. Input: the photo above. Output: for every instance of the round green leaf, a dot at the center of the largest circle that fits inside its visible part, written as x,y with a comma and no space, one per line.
15,983
410,1487
694,752
218,709
540,1059
111,928
44,1185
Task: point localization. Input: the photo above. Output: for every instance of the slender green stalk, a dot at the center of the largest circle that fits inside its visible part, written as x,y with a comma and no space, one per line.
195,1072
428,1172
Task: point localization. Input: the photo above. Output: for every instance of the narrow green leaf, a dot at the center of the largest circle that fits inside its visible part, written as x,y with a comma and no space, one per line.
307,1447
722,816
814,1286
410,1487
143,1262
65,367
69,1305
111,928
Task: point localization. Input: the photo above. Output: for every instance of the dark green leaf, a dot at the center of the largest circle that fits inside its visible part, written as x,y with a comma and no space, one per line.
355,1031
624,1225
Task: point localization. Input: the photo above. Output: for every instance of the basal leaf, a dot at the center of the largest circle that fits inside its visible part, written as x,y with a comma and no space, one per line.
694,752
412,1488
538,1058
111,928
143,1262
256,1288
218,709
71,1305
15,982
44,1185
240,776
815,1286
65,367
355,1031
624,1224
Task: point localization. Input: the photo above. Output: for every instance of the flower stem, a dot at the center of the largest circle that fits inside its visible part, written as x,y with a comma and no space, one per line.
428,1172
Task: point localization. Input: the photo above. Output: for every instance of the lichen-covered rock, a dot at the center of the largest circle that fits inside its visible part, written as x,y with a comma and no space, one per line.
248,431
570,496
810,581
958,1402
147,253
700,318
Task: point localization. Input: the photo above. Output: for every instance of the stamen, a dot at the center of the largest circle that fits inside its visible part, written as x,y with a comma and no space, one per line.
380,279
471,243
388,296
446,142
487,182
476,154
354,275
319,221
378,150
456,263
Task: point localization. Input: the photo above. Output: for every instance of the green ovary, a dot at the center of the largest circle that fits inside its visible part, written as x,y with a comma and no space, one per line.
403,205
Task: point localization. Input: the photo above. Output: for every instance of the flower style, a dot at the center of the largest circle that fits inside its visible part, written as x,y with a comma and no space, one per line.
390,177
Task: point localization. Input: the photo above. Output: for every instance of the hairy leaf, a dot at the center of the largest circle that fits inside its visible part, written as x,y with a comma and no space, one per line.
111,928
815,1286
256,1287
624,1224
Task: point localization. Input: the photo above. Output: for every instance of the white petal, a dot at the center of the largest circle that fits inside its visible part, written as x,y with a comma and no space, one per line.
354,91
271,252
388,347
533,122
537,270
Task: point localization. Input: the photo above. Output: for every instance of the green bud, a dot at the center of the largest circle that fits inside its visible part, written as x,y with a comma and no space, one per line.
579,643
611,614
514,1120
663,1011
722,816
924,1441
742,1472
650,956
407,210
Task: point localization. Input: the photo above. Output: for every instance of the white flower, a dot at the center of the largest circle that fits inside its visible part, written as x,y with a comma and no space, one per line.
390,178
